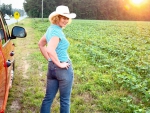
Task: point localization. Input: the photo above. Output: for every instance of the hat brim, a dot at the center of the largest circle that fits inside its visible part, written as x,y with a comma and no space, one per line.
70,15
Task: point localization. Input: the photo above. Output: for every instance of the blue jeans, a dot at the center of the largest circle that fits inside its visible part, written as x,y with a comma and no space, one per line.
58,79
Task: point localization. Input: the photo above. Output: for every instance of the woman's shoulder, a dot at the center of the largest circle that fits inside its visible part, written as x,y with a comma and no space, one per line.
51,29
54,28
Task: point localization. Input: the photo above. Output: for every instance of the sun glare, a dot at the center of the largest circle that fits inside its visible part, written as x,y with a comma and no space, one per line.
137,2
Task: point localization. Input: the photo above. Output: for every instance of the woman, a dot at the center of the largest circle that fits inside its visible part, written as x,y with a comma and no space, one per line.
60,71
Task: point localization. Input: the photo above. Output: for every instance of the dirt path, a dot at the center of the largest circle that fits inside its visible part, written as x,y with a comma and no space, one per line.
21,68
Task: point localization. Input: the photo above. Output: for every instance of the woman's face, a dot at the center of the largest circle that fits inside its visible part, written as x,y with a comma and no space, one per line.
63,21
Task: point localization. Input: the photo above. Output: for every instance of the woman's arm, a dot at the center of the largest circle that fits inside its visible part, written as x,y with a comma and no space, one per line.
42,45
51,50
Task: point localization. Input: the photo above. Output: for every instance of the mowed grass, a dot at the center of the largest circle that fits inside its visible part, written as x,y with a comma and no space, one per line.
111,61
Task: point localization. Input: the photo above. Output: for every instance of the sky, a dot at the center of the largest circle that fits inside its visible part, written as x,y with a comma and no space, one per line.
18,4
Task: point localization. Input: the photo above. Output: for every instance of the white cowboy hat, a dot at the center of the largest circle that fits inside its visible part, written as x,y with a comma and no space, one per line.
62,10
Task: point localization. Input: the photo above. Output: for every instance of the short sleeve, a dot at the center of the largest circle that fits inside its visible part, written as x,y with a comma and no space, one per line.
51,33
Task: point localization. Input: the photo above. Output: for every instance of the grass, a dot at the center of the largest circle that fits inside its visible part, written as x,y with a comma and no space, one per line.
111,61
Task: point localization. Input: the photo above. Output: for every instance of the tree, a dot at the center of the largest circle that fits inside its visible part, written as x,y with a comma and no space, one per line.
92,9
33,7
6,9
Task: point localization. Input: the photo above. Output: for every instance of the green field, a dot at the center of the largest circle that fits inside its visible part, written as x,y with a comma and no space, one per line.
111,61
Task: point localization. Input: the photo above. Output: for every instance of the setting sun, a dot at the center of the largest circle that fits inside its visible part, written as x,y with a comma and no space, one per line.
137,1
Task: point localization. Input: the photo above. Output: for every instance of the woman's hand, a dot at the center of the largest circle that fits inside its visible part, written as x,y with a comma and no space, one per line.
64,65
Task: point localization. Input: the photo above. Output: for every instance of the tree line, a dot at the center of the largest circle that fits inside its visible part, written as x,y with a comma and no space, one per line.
7,9
92,9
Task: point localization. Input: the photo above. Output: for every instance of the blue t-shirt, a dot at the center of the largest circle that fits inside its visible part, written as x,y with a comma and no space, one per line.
63,44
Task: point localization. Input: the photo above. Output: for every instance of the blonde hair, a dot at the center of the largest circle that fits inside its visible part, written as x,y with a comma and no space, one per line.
55,19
